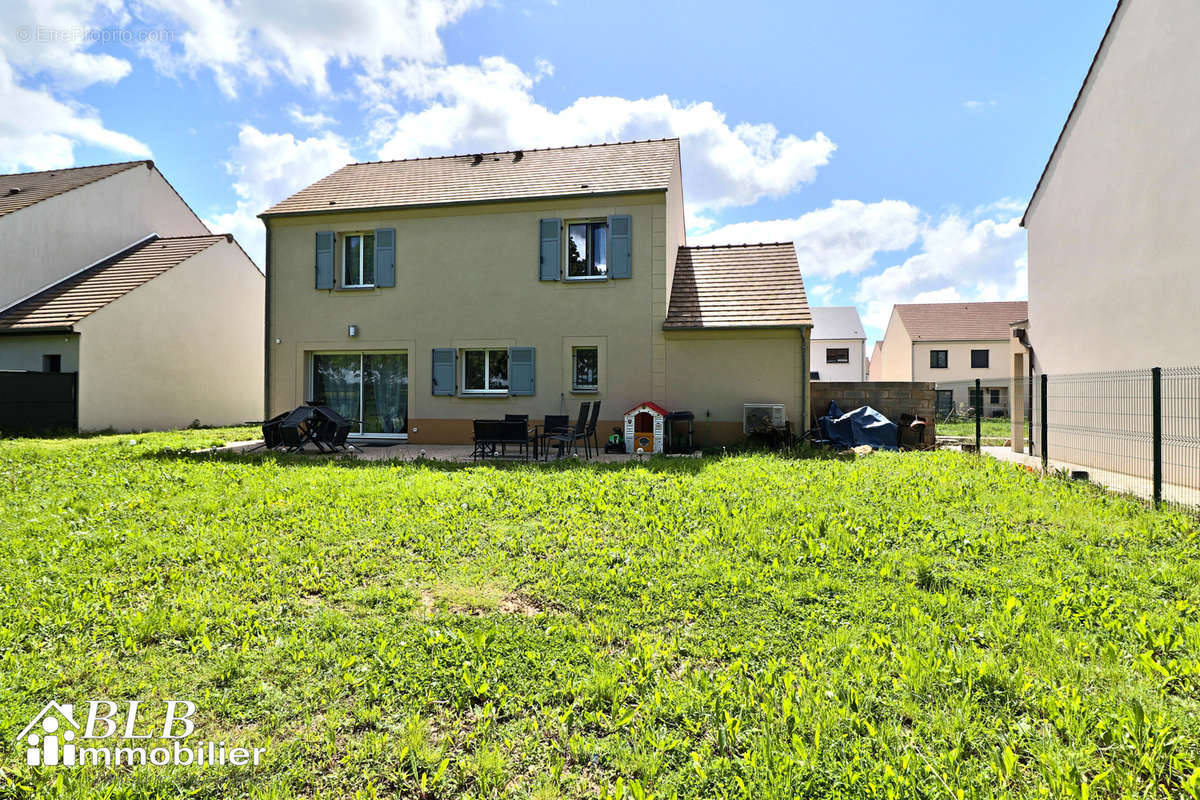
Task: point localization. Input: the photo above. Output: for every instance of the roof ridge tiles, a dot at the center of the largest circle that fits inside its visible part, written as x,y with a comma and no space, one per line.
511,150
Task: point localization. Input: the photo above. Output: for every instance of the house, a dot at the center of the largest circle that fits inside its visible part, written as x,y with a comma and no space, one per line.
952,344
838,344
1114,221
418,295
875,362
152,321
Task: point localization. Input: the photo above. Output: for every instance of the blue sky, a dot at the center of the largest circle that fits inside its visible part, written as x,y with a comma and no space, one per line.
895,143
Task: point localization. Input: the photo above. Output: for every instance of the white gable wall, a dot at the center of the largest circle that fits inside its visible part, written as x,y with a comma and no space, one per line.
187,345
856,370
44,243
1114,231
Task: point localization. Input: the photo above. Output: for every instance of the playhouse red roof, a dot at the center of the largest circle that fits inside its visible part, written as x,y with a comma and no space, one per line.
655,407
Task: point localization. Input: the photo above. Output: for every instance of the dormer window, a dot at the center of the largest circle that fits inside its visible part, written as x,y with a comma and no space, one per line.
358,261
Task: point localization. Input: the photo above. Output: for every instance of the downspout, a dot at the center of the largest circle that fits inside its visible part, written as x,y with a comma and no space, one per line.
1023,338
267,327
805,378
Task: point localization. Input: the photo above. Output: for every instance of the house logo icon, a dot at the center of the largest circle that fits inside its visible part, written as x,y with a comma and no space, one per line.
49,737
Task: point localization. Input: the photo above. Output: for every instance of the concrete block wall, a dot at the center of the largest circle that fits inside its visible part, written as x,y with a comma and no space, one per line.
890,398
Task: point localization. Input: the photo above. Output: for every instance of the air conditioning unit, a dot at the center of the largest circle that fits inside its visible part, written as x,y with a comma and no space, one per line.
759,417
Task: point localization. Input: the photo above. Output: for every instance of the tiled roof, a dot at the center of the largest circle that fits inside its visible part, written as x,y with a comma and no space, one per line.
23,189
75,297
515,174
949,322
738,286
836,322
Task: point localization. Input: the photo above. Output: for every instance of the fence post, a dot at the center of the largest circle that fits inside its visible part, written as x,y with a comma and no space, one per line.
1045,424
978,414
1156,430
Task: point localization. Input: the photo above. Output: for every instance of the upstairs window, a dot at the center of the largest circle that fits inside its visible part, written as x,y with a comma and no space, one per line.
939,359
979,359
837,355
358,260
485,370
52,363
587,250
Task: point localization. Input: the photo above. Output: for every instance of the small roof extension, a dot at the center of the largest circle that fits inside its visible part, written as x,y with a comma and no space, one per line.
60,306
738,286
580,171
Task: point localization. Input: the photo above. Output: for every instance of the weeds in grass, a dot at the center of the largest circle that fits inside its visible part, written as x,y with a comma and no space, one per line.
907,625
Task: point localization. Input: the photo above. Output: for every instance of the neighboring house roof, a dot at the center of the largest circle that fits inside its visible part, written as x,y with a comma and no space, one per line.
73,298
877,351
949,322
23,189
738,286
475,178
836,322
1071,114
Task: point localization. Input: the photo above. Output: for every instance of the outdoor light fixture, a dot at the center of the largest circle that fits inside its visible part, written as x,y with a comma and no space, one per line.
353,331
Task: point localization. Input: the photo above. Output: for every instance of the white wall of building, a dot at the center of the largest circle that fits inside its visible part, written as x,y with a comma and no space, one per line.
854,371
57,237
25,352
187,345
1114,230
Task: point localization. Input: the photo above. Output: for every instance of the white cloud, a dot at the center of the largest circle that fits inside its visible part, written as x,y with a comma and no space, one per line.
978,105
490,106
316,120
841,239
38,131
254,39
958,260
50,38
267,168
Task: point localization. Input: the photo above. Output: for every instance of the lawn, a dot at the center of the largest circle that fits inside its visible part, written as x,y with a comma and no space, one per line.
995,428
901,625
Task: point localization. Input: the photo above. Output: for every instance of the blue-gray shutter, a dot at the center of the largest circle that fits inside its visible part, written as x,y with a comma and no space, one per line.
385,256
620,250
324,259
550,252
444,370
520,370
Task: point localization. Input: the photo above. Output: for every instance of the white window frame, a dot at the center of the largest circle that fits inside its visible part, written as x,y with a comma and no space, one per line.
566,262
575,387
362,235
487,371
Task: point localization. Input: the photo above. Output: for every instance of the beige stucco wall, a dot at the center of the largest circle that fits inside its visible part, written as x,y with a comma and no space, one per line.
958,359
187,345
24,352
467,276
713,373
856,370
61,235
1114,231
896,358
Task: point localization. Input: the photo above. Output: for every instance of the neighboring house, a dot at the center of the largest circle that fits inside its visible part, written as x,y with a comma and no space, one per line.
121,284
418,295
838,344
1114,222
952,344
875,362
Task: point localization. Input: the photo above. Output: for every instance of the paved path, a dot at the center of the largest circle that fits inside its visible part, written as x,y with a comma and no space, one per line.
1117,481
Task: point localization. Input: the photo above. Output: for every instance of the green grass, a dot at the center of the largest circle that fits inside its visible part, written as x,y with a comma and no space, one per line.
997,428
897,626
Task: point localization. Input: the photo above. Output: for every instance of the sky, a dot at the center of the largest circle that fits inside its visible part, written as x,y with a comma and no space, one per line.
895,143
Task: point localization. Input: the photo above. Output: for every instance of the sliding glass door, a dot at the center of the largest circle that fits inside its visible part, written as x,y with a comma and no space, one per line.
370,387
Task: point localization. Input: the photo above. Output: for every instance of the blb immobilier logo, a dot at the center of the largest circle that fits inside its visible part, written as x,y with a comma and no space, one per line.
101,733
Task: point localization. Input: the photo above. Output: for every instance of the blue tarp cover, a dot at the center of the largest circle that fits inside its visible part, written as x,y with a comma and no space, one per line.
863,425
